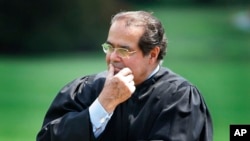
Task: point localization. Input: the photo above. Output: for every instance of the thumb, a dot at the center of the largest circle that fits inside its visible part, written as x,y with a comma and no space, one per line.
110,71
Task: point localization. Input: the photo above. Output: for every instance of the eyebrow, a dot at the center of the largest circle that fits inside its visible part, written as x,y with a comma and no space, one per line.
119,46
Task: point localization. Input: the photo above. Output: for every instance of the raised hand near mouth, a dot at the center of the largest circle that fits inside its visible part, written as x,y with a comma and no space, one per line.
117,88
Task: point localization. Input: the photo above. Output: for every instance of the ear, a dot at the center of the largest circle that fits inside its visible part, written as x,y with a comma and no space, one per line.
153,54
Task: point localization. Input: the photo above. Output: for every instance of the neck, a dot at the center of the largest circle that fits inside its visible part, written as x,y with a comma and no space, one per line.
155,70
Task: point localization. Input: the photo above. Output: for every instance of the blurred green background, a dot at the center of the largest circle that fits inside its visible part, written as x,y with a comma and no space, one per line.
44,45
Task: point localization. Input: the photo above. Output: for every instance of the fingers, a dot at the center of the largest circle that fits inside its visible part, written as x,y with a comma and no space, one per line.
124,75
125,72
111,70
117,88
128,79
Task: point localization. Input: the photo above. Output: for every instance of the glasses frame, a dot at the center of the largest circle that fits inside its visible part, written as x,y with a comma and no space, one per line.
108,48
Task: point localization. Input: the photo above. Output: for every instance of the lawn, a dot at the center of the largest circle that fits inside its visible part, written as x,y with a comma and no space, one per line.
203,47
28,85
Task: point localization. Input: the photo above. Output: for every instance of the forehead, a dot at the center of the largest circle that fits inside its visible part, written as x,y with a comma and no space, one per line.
121,34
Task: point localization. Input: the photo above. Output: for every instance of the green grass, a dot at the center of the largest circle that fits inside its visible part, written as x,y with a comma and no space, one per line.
203,47
28,85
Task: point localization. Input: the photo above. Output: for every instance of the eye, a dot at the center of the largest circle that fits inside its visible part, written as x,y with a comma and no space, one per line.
107,48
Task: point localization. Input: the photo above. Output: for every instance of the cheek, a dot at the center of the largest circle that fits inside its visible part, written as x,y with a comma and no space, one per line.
138,68
107,59
139,74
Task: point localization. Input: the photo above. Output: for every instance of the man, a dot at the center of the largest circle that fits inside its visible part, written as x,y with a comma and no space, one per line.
136,99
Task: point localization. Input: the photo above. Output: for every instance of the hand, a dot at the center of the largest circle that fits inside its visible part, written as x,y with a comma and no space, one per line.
117,88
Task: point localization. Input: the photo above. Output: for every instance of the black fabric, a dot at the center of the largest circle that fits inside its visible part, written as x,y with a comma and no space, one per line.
164,107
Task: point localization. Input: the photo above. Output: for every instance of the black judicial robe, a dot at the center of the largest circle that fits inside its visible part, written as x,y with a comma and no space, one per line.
164,107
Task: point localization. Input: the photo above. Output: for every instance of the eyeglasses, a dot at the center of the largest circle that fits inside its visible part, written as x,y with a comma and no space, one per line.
121,52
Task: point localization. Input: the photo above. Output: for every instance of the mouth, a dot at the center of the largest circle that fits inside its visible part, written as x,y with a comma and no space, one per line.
117,68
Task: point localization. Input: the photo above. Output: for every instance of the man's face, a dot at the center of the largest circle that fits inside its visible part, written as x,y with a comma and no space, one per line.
121,36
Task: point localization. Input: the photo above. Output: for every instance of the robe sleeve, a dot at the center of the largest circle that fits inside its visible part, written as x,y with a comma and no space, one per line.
185,117
68,116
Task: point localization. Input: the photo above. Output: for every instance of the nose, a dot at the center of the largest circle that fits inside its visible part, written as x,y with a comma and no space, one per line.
113,56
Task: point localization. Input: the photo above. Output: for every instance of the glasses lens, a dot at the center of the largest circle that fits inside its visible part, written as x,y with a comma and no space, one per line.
122,52
107,48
